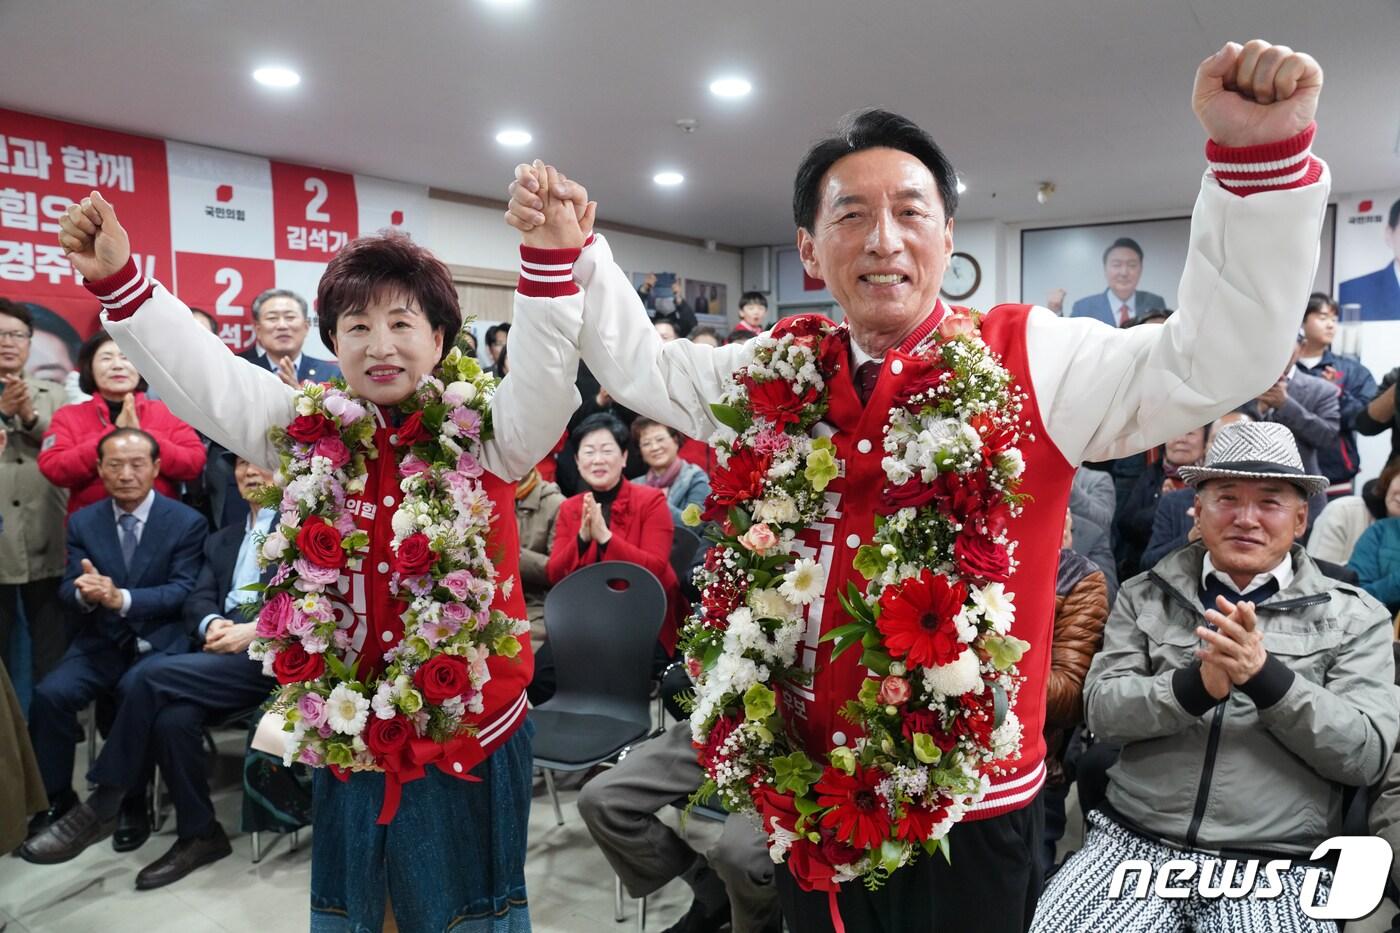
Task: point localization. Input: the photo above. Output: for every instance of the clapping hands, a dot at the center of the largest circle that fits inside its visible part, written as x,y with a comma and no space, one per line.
592,525
97,589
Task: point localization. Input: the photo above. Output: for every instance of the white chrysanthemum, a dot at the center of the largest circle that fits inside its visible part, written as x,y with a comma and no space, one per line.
804,582
383,702
782,468
966,625
1006,738
1012,462
777,508
402,523
770,604
955,679
346,710
996,606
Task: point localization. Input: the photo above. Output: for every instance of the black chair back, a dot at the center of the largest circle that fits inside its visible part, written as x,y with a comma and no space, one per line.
684,544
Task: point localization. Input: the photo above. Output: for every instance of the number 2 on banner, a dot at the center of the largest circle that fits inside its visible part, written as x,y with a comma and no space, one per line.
313,207
223,305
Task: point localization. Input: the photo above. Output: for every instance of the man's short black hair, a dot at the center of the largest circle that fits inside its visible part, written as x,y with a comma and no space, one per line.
19,312
129,432
52,322
1123,242
601,421
1394,220
869,129
1319,302
753,298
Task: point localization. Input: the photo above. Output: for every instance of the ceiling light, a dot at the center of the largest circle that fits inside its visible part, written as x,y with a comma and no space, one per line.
513,138
668,179
730,87
962,188
276,76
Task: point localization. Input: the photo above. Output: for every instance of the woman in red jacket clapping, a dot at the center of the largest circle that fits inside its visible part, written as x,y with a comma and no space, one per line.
68,456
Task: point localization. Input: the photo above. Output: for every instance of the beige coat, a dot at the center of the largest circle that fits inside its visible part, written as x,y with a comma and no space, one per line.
31,547
22,790
535,515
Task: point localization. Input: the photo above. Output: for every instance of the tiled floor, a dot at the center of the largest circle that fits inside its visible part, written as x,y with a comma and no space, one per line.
569,881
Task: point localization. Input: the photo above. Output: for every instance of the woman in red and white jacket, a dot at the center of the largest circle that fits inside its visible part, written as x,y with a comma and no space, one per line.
68,456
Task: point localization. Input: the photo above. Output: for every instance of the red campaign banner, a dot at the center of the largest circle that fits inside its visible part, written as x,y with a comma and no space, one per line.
45,165
225,286
314,211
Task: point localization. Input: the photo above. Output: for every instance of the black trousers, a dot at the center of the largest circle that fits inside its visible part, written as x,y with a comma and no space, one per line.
47,621
991,886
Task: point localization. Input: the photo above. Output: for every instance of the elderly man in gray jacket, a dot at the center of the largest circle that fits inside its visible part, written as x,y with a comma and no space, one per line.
1248,690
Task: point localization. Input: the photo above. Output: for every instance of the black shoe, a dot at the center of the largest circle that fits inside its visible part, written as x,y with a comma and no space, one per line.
184,857
67,838
701,919
42,820
133,825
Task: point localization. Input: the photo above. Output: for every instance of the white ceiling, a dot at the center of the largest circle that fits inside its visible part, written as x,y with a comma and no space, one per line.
1093,94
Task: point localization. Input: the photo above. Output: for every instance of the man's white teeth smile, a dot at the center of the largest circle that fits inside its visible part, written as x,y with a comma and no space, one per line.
883,278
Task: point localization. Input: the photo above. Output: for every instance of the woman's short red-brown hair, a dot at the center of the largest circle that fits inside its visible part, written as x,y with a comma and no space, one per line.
389,263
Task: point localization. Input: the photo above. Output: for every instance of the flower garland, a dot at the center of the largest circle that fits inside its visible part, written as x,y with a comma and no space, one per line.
441,570
933,622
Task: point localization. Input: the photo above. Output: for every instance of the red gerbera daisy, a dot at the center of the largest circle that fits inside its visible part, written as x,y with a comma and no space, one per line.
738,482
916,825
857,813
916,618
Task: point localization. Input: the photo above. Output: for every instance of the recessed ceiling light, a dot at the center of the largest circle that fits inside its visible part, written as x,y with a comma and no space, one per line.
276,76
961,187
730,87
668,179
513,137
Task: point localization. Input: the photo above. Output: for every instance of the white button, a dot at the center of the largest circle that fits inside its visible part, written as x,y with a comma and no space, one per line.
383,566
897,367
388,501
838,738
394,439
864,445
852,540
457,766
388,636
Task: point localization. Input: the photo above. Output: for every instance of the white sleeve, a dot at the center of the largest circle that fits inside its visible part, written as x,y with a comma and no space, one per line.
216,393
673,382
1104,393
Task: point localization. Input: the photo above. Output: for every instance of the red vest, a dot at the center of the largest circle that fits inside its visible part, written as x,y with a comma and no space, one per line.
852,502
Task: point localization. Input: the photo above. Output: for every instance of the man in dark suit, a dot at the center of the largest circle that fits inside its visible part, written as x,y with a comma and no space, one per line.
133,560
1121,302
168,700
1378,294
281,321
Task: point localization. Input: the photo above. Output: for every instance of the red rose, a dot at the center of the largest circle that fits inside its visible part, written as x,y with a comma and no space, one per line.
415,555
981,558
319,543
927,722
914,494
833,353
927,379
809,869
293,665
411,431
384,737
976,719
442,678
740,481
311,428
719,732
802,325
775,401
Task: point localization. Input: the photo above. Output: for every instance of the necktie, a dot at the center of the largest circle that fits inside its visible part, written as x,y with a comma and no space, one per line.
1123,314
866,375
127,525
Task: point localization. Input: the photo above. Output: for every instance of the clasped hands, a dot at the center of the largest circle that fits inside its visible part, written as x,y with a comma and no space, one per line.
223,636
1234,650
96,589
549,210
592,526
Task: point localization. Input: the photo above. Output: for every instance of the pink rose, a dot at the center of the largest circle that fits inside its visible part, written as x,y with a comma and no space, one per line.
309,756
458,583
300,625
894,691
334,450
455,613
276,615
343,409
954,324
313,708
412,466
467,465
759,539
314,574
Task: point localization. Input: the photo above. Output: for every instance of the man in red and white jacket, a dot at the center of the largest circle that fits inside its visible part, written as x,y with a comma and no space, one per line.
874,209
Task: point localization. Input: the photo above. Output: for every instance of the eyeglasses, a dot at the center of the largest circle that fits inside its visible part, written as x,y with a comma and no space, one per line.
14,336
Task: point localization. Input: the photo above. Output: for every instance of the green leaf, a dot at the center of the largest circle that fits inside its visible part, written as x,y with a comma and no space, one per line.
730,417
843,646
1000,706
891,853
806,806
337,667
339,754
876,661
850,629
711,655
1005,650
925,750
869,693
795,773
740,520
946,848
869,562
759,703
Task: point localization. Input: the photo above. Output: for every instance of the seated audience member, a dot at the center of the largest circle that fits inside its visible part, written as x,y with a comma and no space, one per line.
22,791
1091,503
614,520
706,335
1081,606
739,336
281,322
31,508
1381,415
133,560
753,310
1134,519
1309,407
1346,518
166,700
537,504
731,882
665,329
68,456
1383,820
595,399
1282,680
1376,560
1173,524
681,481
1340,460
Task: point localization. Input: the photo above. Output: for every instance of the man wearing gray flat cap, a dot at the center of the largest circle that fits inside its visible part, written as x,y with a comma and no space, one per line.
1248,690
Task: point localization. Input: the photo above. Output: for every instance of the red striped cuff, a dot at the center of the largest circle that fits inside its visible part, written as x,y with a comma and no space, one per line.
121,294
1276,166
548,273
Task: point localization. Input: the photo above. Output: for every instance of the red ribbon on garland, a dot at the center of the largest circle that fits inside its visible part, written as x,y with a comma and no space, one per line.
455,758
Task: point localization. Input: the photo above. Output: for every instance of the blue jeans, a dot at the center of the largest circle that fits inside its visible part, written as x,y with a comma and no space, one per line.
452,859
